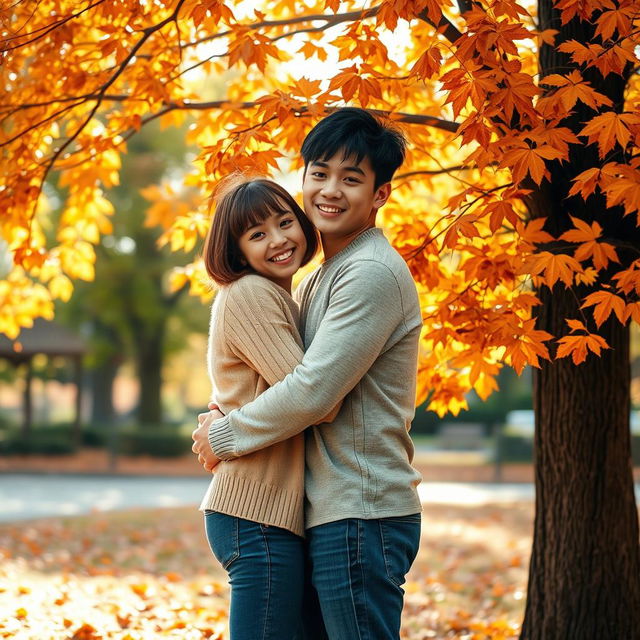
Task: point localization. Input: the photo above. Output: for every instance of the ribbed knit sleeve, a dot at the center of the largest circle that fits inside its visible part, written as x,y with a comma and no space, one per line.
259,330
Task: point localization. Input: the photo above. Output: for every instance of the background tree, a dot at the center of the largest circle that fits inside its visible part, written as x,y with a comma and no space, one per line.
128,308
520,192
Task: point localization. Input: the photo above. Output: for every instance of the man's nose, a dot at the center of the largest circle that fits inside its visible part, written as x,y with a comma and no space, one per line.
331,189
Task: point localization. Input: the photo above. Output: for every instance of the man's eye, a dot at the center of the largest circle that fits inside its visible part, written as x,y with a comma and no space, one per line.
317,174
352,180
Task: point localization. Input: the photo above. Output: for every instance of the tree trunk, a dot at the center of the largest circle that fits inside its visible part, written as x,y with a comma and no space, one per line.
102,380
27,401
149,359
584,579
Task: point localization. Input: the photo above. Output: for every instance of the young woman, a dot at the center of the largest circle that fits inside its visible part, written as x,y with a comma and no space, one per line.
259,238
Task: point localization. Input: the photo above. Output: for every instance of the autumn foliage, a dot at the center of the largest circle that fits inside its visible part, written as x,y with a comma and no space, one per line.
137,575
80,78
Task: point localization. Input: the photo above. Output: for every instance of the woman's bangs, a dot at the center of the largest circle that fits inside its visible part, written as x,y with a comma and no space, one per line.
254,206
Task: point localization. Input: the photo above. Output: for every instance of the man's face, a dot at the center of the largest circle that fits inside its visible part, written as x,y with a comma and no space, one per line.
340,200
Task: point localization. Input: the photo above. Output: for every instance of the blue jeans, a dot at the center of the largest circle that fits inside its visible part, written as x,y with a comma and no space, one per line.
358,568
266,574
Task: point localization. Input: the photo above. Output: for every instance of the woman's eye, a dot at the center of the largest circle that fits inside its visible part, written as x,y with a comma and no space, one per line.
286,222
255,235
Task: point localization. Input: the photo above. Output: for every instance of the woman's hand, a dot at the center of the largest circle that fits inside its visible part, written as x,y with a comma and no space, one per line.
200,437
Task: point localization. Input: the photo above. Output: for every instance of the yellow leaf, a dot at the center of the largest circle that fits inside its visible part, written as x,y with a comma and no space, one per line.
61,287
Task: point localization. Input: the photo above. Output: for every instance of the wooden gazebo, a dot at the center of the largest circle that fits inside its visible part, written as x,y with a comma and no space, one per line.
51,340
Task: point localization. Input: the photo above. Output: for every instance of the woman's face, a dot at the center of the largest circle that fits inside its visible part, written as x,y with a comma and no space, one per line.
275,247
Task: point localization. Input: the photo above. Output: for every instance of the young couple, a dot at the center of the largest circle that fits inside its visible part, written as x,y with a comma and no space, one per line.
328,513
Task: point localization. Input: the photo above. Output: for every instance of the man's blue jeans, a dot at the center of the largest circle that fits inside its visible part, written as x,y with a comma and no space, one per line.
358,568
266,573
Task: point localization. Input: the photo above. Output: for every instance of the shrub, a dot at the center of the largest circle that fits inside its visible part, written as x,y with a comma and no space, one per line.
160,441
42,441
510,448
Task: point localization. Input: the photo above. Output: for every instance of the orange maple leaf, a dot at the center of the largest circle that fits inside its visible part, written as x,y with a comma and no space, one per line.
576,325
533,233
617,20
526,160
555,266
604,302
633,311
622,187
629,279
578,346
610,128
305,88
579,52
572,88
590,247
585,183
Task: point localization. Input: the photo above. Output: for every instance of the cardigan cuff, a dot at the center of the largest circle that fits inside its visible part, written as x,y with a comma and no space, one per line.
221,439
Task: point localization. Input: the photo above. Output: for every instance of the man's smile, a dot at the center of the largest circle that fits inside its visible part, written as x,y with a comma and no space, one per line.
330,209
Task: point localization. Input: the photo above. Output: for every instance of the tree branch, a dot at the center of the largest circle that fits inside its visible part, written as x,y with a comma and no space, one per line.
463,210
329,20
450,31
407,118
47,29
431,172
465,5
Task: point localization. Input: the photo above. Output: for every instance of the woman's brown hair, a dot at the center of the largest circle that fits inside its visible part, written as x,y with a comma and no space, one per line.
239,206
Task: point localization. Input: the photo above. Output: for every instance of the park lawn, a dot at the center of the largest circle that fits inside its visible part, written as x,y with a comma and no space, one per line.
137,575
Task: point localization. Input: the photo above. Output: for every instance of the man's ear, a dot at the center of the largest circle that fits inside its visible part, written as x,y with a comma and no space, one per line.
381,195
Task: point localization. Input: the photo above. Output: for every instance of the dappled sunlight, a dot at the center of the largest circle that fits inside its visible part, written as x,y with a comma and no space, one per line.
141,574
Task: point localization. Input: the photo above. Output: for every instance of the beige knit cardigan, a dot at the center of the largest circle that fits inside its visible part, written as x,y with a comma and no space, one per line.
253,343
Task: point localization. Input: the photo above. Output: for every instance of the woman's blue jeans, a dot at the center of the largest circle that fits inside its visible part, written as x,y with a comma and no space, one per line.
266,574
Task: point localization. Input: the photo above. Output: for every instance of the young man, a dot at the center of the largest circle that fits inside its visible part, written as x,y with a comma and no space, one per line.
360,321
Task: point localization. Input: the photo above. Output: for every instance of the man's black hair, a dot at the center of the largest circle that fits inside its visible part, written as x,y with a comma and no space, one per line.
357,134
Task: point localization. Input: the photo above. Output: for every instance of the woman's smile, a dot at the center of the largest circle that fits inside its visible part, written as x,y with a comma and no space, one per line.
283,257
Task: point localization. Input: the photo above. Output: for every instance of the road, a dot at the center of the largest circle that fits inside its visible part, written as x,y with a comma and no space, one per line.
25,496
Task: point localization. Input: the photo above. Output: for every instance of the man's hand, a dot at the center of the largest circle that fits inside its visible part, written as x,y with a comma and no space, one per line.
200,436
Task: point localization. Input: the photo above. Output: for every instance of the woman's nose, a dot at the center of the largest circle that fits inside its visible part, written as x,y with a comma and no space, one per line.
278,238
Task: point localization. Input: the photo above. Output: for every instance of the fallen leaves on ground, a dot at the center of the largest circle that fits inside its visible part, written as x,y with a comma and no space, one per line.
137,575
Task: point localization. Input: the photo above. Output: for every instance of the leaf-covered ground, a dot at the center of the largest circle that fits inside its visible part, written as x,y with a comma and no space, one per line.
149,574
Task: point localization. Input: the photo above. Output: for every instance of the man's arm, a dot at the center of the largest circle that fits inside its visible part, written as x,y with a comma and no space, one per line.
261,334
364,311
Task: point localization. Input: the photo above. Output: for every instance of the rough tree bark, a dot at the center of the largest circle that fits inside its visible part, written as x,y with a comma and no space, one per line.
584,579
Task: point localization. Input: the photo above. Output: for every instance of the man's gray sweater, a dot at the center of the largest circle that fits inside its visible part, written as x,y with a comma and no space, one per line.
361,327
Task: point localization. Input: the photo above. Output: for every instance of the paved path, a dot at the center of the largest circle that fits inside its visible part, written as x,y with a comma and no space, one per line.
24,496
